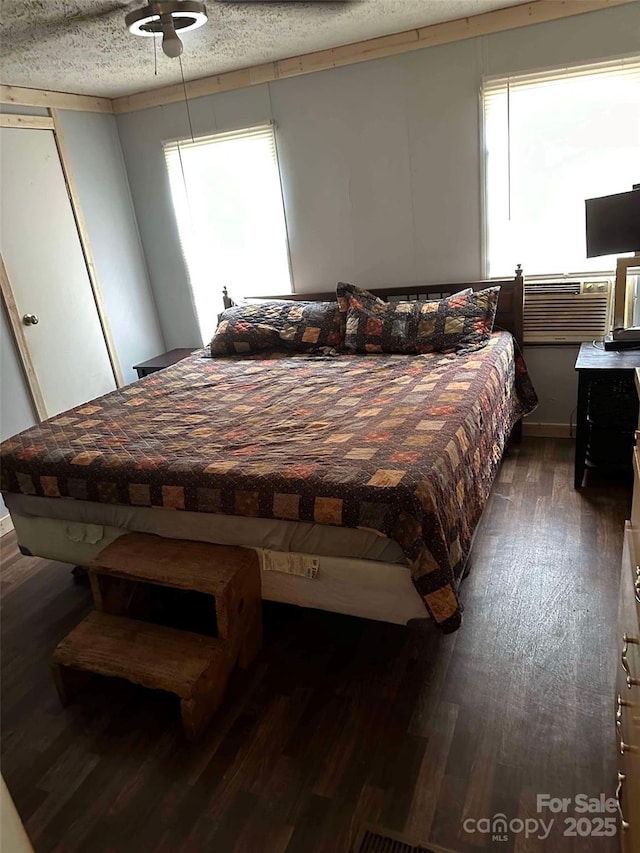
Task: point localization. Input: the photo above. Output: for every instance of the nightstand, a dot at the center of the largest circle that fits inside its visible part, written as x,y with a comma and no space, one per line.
159,362
607,415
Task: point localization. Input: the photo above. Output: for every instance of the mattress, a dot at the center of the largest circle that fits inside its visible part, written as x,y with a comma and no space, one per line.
405,446
371,589
265,533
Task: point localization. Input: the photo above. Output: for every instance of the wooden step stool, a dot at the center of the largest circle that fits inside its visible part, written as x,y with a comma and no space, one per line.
193,666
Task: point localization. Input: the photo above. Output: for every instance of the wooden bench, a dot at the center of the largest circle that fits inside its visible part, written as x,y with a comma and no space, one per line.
112,641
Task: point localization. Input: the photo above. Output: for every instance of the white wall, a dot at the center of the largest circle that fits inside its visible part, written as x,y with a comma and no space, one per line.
380,166
553,374
101,180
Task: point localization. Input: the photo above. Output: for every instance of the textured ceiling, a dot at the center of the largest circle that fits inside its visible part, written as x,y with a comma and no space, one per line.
82,46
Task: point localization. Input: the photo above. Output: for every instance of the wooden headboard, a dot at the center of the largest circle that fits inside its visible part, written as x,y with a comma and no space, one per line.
510,304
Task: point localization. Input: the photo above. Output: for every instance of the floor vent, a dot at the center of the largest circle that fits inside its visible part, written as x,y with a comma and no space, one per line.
377,840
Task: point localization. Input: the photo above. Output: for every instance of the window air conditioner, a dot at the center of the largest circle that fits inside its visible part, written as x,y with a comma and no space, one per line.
567,312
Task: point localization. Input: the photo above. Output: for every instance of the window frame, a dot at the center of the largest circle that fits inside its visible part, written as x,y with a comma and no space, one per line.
173,145
532,76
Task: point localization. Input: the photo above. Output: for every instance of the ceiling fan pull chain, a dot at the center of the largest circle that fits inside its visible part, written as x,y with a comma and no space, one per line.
155,58
186,99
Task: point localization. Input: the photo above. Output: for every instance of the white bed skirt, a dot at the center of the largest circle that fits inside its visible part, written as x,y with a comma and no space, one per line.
354,585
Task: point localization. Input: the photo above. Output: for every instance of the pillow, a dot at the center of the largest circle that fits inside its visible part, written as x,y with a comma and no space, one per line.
345,292
277,325
460,323
349,293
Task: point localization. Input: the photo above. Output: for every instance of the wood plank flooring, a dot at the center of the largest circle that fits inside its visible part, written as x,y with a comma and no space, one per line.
340,720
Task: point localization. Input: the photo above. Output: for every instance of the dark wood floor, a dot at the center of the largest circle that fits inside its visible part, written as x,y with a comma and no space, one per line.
341,720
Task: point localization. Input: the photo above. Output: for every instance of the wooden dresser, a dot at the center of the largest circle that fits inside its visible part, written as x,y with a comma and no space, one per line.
628,678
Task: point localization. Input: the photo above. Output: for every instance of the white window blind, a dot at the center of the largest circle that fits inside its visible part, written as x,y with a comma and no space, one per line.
552,140
228,203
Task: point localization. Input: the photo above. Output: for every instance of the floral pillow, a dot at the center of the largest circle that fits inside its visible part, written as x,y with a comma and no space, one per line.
278,325
462,322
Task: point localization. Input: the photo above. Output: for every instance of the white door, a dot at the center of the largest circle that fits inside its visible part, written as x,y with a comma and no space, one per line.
43,257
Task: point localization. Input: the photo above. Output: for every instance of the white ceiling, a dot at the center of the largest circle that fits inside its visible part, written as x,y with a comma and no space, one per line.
83,46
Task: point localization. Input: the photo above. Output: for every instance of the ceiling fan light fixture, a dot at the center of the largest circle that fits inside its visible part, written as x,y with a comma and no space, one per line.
171,44
157,16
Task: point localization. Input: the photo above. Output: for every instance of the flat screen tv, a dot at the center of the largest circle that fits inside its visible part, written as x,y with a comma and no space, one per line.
613,224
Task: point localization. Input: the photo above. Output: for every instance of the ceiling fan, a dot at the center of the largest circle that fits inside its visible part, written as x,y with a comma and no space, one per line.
167,18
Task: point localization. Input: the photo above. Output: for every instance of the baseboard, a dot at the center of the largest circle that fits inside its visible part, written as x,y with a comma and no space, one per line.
547,430
6,525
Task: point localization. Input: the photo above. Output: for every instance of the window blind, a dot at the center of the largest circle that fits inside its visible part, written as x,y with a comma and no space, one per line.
551,140
262,132
230,216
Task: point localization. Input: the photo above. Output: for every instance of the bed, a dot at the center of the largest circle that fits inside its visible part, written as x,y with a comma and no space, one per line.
359,478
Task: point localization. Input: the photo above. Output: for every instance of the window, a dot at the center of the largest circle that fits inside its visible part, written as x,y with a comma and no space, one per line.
551,141
228,204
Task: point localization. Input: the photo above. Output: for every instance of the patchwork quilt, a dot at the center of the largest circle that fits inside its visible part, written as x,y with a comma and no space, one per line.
404,445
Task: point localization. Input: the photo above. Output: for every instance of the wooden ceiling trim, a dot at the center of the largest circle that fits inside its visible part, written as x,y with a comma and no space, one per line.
513,17
54,100
500,20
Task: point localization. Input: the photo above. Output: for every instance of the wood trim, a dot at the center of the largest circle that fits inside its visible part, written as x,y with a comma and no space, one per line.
56,100
546,430
513,17
34,122
15,322
86,247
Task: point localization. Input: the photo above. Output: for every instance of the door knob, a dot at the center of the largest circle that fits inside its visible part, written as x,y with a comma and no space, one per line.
30,320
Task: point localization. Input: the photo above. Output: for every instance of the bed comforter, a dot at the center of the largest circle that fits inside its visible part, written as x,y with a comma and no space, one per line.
406,446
